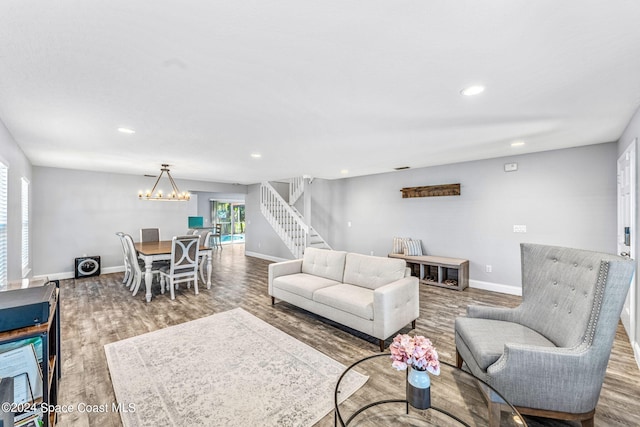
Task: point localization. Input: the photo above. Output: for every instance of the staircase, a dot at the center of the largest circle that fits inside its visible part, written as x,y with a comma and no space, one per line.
286,220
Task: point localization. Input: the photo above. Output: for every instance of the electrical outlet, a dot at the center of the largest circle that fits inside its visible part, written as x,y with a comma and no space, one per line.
487,268
519,228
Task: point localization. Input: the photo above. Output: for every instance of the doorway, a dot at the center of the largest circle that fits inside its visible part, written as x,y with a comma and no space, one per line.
231,216
626,236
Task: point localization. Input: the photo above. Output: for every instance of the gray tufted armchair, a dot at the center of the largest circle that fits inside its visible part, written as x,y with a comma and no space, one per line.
549,355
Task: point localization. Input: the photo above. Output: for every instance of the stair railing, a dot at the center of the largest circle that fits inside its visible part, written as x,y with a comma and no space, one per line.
283,219
296,189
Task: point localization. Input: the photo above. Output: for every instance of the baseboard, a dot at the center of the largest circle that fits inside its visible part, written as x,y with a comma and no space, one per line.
495,287
263,256
71,275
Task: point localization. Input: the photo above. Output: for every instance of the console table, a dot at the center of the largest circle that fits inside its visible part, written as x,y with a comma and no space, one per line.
451,273
49,334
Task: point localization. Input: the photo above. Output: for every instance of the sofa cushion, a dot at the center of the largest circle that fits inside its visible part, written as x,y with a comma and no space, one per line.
302,284
324,263
372,271
485,338
352,299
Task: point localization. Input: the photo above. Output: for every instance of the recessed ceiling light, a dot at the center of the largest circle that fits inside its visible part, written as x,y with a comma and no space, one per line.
517,143
344,171
256,155
472,90
126,130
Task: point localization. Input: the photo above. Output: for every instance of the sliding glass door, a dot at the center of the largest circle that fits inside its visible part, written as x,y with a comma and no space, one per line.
231,216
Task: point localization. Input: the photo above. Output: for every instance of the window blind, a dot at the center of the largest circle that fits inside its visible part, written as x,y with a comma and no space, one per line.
3,224
25,227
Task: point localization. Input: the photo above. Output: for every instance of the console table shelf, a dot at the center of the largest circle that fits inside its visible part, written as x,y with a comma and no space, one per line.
450,273
49,334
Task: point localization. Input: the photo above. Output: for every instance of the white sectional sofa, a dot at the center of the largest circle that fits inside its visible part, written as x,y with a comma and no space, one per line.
374,295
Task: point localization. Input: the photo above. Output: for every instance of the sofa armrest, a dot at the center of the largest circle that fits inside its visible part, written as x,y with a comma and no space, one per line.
283,268
395,305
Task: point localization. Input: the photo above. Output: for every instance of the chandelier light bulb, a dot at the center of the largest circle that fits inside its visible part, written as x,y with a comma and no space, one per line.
174,195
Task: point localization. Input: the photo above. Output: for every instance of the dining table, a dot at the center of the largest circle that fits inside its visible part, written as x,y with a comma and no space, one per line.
159,251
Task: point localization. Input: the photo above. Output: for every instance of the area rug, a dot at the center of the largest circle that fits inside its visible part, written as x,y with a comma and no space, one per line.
229,369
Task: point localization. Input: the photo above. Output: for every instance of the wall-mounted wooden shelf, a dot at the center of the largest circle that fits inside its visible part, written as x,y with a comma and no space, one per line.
431,191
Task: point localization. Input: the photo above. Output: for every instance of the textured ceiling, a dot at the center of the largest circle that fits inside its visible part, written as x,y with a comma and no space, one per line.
315,87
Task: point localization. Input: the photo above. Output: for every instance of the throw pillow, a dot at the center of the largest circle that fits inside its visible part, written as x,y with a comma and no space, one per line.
413,248
398,244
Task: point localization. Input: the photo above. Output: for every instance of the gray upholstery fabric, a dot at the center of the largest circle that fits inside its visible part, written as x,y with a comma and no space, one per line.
571,297
488,338
149,234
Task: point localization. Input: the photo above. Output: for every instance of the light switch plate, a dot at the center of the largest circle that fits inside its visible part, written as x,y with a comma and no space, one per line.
510,167
519,228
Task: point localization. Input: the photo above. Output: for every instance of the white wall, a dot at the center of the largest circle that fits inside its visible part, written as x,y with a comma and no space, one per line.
631,132
78,212
564,197
19,167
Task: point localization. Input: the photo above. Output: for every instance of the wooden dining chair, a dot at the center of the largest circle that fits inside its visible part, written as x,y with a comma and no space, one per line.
184,264
205,240
149,235
217,236
125,253
137,266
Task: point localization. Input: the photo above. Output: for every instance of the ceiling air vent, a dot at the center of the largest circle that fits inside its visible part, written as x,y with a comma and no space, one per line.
401,168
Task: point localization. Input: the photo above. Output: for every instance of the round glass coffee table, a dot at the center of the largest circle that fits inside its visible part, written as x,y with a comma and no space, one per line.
457,399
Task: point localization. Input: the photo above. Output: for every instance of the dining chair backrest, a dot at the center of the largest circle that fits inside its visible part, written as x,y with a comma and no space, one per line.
205,239
120,235
125,254
184,255
149,235
217,235
132,254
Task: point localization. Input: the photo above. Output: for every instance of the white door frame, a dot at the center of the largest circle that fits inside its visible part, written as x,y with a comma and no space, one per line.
627,175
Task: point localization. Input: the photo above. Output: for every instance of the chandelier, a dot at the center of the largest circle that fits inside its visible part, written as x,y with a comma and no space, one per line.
174,196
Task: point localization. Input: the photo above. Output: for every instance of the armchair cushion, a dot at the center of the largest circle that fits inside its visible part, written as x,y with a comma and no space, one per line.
490,336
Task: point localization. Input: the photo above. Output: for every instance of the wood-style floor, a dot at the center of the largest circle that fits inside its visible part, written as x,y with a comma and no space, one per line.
100,310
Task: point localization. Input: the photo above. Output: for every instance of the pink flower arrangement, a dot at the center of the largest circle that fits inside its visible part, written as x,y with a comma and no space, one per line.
417,352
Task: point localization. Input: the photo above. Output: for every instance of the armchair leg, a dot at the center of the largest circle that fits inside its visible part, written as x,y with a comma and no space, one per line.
494,414
381,345
458,360
413,324
588,422
273,301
